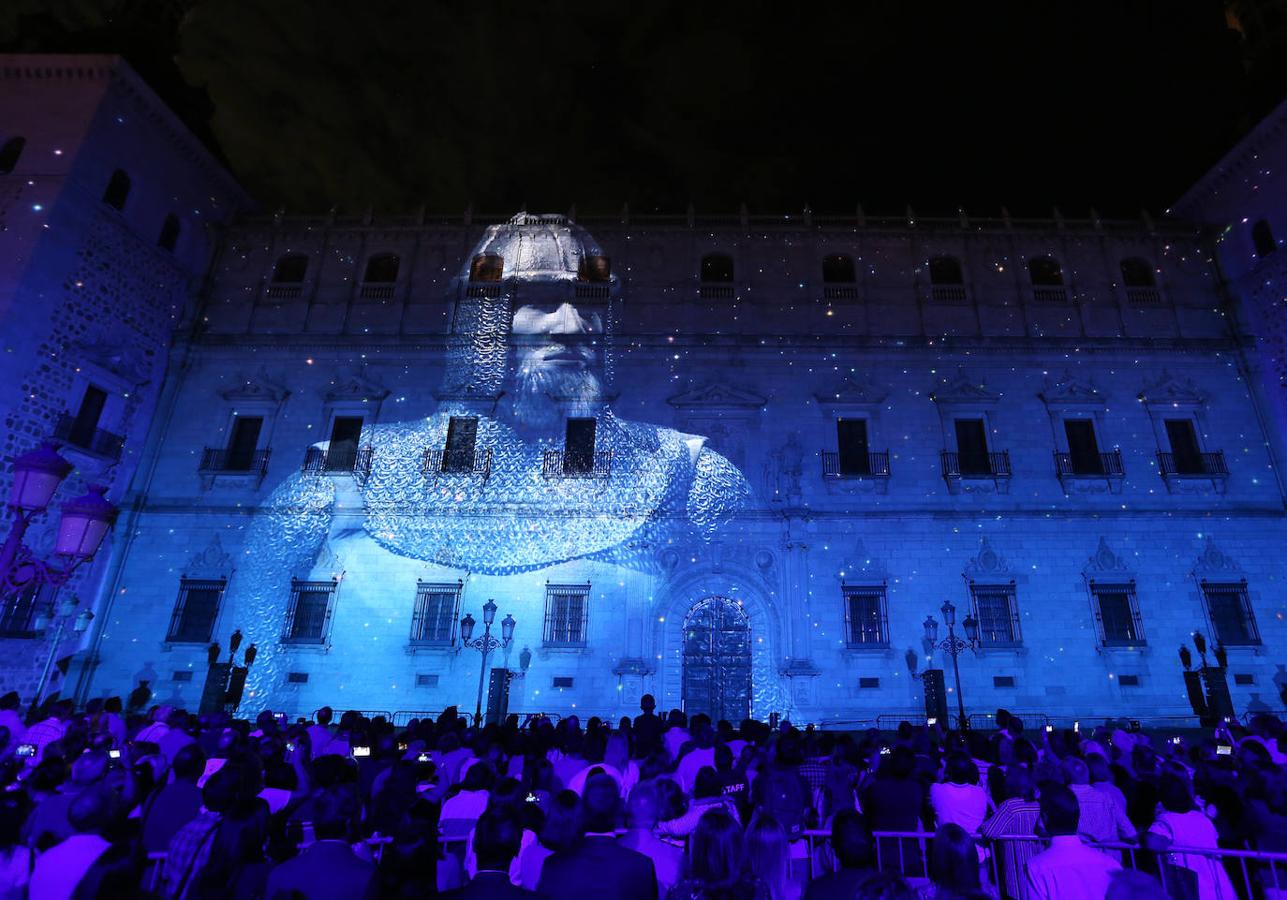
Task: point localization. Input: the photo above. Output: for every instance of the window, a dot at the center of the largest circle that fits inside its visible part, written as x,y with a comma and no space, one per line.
1118,615
342,449
83,426
1186,455
434,619
996,609
181,675
595,268
486,267
381,269
563,681
578,447
946,270
972,447
838,269
309,613
566,612
169,237
851,439
1003,681
717,268
195,611
424,679
297,678
1262,236
242,443
868,682
1045,272
290,269
1230,614
18,611
118,189
10,153
1243,678
866,618
1083,449
1137,273
1128,680
462,436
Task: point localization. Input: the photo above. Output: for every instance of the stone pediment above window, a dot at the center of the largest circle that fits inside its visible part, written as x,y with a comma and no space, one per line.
1170,390
355,389
325,566
717,396
963,390
256,389
860,567
1105,565
119,369
1072,391
851,395
987,565
211,563
1213,564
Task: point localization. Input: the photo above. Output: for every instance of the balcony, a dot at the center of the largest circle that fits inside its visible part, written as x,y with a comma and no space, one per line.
489,290
562,464
839,292
1097,472
1183,474
280,292
343,460
1143,296
951,294
447,462
91,440
1052,294
990,473
221,461
376,291
870,465
592,291
715,291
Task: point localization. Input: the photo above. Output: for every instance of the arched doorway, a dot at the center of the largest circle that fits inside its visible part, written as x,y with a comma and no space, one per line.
717,660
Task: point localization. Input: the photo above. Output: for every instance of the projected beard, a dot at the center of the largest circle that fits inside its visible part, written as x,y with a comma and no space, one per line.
556,363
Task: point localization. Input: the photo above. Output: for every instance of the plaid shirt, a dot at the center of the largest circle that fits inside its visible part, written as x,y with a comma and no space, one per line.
188,853
44,733
814,773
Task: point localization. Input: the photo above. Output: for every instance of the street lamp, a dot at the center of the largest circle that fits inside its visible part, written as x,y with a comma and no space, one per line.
485,644
954,647
63,613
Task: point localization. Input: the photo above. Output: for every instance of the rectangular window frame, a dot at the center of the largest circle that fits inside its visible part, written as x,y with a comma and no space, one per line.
175,634
1250,625
566,628
1100,588
427,592
298,589
987,590
19,611
861,635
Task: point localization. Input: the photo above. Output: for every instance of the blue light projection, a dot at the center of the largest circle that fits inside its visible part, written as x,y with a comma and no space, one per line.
525,353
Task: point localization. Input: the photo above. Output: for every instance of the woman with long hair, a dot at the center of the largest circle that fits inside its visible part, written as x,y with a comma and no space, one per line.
715,863
768,857
954,866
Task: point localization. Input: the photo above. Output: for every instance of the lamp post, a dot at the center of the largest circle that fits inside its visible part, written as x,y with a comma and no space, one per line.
954,647
485,644
63,613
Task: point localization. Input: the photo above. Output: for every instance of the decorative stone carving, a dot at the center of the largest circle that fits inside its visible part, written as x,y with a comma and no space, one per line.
1071,391
717,396
1213,564
258,388
1169,390
212,562
850,396
355,389
987,564
1105,565
859,567
962,389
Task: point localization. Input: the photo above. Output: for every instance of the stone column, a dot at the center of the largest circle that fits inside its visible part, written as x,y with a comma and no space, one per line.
798,668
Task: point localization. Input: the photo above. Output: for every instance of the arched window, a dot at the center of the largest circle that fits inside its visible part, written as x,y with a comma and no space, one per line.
169,237
10,152
290,269
117,190
838,269
1137,273
946,270
717,268
381,269
595,268
1045,272
1263,237
486,267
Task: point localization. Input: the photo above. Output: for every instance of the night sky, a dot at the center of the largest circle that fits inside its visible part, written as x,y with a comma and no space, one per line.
1119,105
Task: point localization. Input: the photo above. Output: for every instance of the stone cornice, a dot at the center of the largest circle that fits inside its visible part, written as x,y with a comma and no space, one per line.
1244,154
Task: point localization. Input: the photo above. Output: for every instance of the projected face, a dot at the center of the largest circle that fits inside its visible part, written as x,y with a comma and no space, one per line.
557,359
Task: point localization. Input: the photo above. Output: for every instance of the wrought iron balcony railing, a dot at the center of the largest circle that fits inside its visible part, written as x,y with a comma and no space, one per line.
565,464
839,292
993,465
92,440
220,460
376,291
449,462
1100,465
863,465
1204,465
1050,294
949,293
337,461
283,291
715,291
1143,296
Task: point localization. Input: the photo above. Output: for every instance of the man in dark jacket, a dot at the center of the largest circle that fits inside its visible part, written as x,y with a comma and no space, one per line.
598,864
496,841
849,843
329,867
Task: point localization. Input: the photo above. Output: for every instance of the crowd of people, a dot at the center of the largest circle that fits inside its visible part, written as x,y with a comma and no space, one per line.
103,803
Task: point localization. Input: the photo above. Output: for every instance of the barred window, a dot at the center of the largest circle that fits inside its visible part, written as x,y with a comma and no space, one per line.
309,614
567,608
997,609
1117,614
866,616
18,611
1229,611
434,619
195,611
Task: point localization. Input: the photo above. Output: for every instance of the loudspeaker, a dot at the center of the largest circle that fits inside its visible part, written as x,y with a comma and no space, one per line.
935,696
216,688
498,697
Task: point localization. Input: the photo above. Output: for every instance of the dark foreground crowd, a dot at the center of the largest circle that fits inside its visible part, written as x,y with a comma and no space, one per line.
99,803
